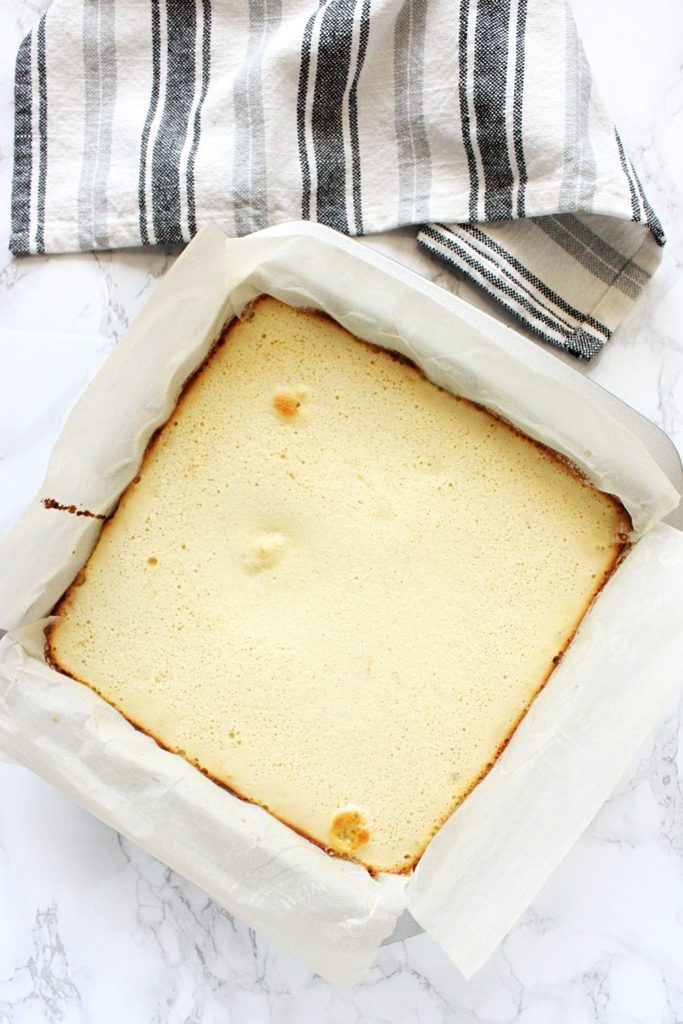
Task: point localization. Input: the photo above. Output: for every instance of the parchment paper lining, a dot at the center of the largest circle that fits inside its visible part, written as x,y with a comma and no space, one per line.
562,762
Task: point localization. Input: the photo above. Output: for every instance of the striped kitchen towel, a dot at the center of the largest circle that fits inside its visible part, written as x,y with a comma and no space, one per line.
476,120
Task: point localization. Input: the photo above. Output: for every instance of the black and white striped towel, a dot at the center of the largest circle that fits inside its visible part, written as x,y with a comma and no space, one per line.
139,120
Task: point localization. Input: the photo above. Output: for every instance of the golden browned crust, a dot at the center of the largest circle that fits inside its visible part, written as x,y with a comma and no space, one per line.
52,503
349,831
286,404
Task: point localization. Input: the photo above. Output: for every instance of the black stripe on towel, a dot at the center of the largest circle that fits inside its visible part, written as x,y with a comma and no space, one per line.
578,342
42,137
490,77
635,207
353,116
151,112
488,255
518,106
653,221
168,144
534,281
466,125
197,125
23,146
332,74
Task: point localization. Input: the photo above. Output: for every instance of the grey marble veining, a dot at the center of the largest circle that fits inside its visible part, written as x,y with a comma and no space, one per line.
92,929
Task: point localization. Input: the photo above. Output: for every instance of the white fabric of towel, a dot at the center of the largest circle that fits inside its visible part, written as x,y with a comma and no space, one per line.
478,120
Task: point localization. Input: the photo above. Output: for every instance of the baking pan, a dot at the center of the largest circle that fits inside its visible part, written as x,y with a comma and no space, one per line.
622,430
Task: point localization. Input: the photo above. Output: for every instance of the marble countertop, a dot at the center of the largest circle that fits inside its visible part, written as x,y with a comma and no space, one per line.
94,930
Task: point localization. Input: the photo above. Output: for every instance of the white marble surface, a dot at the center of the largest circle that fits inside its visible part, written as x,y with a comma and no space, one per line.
94,930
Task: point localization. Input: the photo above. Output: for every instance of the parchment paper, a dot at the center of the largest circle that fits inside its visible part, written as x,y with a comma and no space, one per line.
562,762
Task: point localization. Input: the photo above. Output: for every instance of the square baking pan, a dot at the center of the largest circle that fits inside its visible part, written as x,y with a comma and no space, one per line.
465,347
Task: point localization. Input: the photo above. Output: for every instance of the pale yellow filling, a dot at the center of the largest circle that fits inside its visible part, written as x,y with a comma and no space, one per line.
335,587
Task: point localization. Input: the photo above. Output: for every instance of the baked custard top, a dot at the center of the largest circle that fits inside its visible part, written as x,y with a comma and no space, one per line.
335,587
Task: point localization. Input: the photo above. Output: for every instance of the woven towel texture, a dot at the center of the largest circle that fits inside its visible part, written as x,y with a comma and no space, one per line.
136,121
